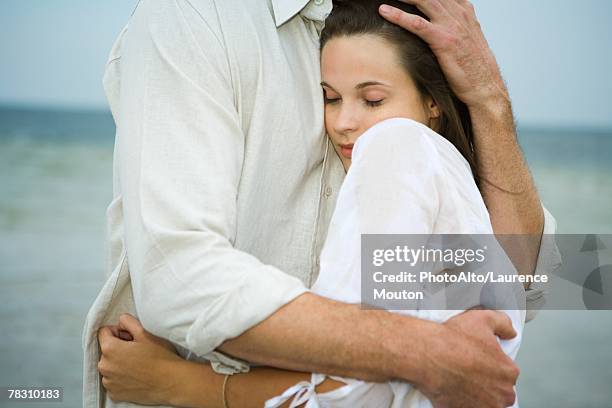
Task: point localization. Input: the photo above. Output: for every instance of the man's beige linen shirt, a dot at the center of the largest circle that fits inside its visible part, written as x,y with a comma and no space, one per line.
224,181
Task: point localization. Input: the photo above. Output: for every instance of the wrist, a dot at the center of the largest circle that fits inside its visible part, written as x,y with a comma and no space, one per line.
409,352
193,385
491,92
177,393
434,357
495,112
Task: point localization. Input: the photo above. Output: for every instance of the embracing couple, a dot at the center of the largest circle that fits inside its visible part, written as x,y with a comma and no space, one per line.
256,141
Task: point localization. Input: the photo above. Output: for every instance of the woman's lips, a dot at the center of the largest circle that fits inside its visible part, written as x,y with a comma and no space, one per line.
347,150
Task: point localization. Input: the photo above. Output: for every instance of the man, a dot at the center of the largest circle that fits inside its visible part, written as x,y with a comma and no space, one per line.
224,185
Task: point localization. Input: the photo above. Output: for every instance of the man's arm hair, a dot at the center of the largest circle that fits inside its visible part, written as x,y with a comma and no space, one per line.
507,185
318,334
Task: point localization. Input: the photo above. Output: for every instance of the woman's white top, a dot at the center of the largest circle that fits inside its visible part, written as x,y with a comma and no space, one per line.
404,179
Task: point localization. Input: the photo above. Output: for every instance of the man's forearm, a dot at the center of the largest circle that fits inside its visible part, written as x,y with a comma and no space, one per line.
451,366
316,334
454,35
506,183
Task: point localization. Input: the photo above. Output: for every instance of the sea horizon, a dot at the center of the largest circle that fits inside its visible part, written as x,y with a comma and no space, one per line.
100,111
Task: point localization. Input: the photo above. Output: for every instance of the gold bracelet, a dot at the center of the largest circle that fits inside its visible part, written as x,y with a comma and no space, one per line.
227,376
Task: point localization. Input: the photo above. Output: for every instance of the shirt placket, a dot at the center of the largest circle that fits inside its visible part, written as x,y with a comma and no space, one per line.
331,180
314,14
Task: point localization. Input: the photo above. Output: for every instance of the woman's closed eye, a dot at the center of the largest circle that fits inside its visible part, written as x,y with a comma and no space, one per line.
373,97
330,97
374,103
368,102
329,101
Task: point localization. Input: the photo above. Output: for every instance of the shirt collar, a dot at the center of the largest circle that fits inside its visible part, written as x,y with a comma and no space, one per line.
284,10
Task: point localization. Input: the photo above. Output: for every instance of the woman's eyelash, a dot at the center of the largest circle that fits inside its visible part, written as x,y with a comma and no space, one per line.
374,103
371,104
330,100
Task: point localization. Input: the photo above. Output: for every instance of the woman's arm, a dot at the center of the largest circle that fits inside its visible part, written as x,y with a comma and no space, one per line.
201,387
146,370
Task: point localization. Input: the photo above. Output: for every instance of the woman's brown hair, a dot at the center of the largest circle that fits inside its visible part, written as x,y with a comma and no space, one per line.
360,17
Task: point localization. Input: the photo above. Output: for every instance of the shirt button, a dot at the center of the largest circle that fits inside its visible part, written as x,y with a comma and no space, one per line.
318,2
328,192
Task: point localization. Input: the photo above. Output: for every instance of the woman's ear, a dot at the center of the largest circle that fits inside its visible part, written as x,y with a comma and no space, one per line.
433,112
432,108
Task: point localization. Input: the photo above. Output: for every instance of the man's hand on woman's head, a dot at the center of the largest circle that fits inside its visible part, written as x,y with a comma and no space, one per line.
456,38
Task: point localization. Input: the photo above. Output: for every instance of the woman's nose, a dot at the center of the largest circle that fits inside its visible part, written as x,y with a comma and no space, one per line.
346,121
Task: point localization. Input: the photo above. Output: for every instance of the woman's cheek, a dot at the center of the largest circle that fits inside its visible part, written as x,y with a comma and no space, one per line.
373,118
329,119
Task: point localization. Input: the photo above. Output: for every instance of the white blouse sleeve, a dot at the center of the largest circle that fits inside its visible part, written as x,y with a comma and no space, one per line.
397,175
392,187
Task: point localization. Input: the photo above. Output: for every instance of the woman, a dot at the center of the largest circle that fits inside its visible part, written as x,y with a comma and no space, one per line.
406,143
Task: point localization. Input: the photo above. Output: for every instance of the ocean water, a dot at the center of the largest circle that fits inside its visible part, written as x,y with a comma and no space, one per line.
55,183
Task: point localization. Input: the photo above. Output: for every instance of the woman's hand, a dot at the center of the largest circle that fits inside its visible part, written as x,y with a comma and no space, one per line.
135,365
139,367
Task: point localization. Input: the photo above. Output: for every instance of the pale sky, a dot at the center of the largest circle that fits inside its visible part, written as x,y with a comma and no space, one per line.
556,55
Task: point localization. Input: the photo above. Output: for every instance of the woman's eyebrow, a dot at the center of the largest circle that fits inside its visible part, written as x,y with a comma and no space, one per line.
325,84
358,86
370,83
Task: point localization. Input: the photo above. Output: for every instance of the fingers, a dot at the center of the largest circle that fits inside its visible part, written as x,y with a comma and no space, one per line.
114,330
106,382
104,367
436,9
484,323
105,338
498,321
502,326
131,327
121,334
448,20
411,22
431,8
